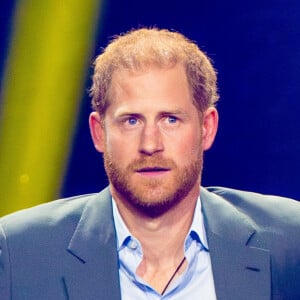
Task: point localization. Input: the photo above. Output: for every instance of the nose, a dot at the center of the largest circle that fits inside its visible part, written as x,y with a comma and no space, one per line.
151,140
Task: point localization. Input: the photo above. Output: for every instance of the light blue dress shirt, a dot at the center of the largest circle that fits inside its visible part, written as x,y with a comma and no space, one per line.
195,283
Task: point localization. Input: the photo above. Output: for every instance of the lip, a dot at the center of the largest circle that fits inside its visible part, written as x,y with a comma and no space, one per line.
153,171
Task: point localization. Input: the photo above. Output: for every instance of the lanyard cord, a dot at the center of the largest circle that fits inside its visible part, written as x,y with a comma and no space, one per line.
172,277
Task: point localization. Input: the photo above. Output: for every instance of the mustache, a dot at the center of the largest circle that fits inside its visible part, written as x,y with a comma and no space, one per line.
151,163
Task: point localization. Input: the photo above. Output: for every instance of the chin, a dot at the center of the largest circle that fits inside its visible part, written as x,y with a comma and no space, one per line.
158,204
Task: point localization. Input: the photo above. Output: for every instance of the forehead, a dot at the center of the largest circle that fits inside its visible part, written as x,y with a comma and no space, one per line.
152,84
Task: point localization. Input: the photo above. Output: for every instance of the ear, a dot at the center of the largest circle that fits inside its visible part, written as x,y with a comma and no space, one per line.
210,125
97,131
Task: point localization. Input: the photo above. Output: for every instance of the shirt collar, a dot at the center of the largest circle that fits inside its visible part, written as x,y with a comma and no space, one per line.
123,234
196,232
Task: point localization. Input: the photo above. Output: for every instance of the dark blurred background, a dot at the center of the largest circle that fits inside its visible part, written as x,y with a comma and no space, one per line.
255,47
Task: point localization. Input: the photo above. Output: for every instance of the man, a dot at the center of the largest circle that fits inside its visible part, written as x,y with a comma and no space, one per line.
154,233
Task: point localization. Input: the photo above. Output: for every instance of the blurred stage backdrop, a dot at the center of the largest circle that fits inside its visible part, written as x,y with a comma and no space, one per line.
46,52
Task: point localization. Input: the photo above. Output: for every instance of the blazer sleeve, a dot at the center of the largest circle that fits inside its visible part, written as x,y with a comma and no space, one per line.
4,267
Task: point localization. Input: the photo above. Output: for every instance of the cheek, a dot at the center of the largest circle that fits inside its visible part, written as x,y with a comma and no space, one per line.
119,149
113,141
195,150
186,148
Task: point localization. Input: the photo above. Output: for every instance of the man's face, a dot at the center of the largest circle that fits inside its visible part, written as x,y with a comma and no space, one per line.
152,139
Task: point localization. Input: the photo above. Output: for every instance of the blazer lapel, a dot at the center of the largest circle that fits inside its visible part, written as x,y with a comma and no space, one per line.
240,271
92,269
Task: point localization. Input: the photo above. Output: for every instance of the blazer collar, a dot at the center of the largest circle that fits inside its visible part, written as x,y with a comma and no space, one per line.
239,270
92,272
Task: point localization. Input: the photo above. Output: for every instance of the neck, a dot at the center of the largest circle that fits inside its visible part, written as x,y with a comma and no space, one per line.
161,237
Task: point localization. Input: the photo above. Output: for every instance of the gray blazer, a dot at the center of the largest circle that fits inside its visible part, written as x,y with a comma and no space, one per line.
66,249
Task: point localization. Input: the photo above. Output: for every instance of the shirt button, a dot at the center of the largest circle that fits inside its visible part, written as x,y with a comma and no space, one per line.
133,244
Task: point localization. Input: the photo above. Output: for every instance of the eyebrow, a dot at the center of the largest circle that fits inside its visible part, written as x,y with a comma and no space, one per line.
174,112
163,112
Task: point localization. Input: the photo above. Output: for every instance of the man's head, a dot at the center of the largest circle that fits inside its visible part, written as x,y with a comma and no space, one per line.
142,48
153,119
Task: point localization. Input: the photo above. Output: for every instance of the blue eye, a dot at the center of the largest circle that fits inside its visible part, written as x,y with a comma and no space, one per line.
172,119
132,121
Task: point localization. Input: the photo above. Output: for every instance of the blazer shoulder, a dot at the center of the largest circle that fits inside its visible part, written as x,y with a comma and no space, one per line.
260,207
51,214
272,203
